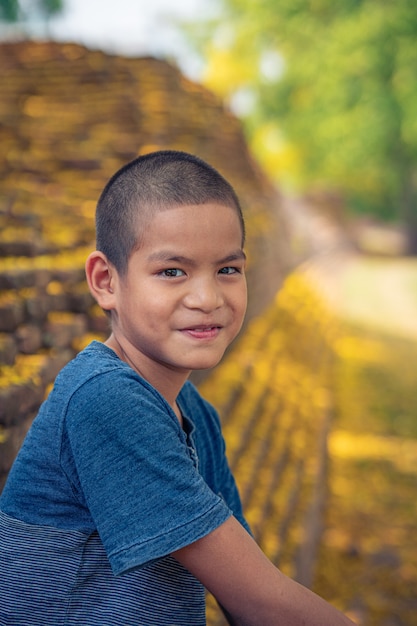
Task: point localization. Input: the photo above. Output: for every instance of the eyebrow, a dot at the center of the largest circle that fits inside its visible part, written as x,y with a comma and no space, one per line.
166,255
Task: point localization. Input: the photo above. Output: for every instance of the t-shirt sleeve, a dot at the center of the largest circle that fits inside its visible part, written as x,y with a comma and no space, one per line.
212,448
134,471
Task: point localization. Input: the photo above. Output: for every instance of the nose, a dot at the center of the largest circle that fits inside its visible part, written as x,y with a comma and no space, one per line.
205,295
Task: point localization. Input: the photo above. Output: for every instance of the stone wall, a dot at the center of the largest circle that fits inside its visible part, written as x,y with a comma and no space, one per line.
69,117
46,316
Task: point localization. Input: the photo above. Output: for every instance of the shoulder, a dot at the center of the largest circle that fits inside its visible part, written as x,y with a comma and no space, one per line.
95,361
99,386
98,368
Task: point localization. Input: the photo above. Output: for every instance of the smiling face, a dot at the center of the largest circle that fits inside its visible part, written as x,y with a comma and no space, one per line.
183,298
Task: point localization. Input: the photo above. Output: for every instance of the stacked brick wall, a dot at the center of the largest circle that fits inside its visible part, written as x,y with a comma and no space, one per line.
46,316
69,117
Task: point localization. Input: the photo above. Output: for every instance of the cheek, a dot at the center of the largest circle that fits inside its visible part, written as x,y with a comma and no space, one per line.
240,301
156,310
145,298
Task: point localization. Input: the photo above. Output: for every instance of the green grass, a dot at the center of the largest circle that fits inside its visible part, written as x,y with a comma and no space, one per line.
377,382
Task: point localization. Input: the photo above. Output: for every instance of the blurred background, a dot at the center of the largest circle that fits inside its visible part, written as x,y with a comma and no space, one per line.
308,107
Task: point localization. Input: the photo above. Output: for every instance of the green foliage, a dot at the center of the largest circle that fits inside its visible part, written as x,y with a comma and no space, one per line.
15,10
9,10
346,98
52,6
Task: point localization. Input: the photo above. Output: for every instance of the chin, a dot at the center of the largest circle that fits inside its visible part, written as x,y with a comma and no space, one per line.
205,364
202,360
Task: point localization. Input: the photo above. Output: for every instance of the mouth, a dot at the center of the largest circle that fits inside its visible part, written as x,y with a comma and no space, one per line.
202,332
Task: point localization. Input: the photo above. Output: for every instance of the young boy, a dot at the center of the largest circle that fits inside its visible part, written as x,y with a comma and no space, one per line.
120,507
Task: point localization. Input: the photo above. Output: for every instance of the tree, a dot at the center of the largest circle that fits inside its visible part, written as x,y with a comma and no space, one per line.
13,11
344,93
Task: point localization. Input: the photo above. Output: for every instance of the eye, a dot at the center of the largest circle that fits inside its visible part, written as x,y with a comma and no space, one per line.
172,272
229,270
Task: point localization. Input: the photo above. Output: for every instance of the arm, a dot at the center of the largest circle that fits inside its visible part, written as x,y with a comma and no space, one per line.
251,589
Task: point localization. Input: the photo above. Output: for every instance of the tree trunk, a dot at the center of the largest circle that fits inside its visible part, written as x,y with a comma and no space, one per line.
409,211
412,237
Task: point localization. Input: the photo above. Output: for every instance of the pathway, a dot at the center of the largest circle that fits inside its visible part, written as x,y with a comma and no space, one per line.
379,293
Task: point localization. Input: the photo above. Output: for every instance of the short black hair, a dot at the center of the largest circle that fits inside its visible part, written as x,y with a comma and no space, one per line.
158,180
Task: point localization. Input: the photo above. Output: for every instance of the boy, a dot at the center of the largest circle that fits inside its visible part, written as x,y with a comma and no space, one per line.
120,506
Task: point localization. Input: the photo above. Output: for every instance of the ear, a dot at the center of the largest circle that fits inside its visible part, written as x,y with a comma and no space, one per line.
101,278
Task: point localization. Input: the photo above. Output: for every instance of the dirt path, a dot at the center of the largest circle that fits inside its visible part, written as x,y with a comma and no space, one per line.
373,291
379,293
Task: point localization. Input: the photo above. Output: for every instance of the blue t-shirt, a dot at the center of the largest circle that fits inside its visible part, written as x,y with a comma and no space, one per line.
105,487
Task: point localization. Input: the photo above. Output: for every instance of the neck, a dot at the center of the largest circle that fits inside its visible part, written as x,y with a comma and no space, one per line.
168,382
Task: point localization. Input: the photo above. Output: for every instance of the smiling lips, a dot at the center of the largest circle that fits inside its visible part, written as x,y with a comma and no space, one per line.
202,332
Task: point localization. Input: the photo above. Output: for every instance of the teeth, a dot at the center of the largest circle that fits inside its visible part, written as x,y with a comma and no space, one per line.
202,330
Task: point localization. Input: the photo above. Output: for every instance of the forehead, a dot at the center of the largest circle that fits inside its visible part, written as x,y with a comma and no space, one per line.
187,216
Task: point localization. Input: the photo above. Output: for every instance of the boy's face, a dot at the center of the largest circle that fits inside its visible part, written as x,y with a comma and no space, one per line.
183,298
